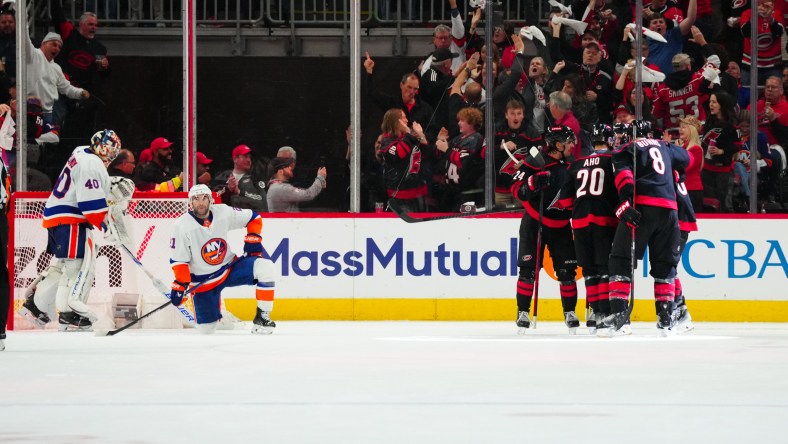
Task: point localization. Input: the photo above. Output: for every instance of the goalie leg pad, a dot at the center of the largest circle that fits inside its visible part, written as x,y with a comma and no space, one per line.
115,230
44,288
75,284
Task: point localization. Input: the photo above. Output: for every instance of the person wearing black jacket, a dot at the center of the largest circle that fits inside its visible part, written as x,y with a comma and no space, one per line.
719,144
416,109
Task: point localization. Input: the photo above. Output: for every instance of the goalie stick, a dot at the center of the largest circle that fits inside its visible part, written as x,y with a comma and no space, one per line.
160,286
164,305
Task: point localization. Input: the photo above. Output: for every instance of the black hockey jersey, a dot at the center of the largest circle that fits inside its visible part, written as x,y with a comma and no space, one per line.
552,216
463,161
653,162
402,157
686,212
591,191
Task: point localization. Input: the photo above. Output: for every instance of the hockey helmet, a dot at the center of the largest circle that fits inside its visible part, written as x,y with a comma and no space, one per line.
199,190
559,133
622,132
642,128
602,132
105,144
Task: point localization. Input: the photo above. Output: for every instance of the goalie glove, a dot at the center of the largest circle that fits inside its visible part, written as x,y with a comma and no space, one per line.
178,292
625,212
253,245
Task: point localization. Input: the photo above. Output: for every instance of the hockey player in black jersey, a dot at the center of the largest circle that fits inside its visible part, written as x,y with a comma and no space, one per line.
647,205
687,223
536,182
592,195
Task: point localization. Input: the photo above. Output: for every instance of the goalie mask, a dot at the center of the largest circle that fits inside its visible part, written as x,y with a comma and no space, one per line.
105,144
199,190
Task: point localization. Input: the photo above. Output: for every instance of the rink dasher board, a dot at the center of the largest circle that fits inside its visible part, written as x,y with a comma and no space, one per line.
339,266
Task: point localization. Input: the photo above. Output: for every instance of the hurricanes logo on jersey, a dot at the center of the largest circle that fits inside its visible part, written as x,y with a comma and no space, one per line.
214,251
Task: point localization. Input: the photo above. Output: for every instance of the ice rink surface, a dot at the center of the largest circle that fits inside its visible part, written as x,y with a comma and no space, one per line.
397,382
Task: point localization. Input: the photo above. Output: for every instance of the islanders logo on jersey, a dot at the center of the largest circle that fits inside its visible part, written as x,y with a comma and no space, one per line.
214,251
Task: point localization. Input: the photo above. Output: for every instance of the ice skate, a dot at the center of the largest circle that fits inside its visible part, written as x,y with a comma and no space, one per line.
30,311
571,321
263,325
616,324
523,322
682,321
71,321
665,321
591,321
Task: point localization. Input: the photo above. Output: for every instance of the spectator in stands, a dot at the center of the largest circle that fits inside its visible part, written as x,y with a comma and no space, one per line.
7,51
226,183
560,107
719,143
409,101
462,160
742,164
84,60
123,165
203,169
662,53
80,48
238,187
770,32
773,112
160,174
597,84
511,134
452,39
45,78
681,94
287,152
743,96
283,197
584,109
400,151
668,9
435,84
689,139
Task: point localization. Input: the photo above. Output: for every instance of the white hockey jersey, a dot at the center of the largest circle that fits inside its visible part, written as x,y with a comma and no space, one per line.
80,193
203,249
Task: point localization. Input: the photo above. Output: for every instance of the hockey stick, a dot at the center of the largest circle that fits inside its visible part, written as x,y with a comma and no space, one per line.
189,291
481,211
538,258
160,286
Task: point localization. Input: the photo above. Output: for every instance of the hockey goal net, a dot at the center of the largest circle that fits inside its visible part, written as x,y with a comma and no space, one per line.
121,289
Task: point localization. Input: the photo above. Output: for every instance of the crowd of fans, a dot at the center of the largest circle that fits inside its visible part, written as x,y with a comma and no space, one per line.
578,69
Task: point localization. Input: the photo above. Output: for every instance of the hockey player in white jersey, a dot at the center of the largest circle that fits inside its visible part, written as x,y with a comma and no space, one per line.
77,206
199,250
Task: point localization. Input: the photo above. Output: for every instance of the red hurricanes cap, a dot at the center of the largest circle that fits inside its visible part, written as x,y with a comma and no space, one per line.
203,159
240,150
159,143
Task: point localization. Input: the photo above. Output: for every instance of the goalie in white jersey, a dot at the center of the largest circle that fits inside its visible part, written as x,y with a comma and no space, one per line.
78,204
200,254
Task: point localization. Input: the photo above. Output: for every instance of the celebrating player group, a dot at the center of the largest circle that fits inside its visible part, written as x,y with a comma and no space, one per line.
626,194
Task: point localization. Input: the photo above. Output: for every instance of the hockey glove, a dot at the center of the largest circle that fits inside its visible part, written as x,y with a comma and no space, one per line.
539,181
178,292
253,245
628,214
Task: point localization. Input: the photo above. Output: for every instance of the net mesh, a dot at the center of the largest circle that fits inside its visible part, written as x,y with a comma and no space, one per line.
149,219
